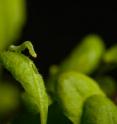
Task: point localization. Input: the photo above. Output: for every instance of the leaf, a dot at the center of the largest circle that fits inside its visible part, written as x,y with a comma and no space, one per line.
86,56
99,110
12,18
25,72
108,85
72,90
8,98
111,55
51,82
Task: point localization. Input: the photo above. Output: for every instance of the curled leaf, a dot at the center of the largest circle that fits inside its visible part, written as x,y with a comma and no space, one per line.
25,72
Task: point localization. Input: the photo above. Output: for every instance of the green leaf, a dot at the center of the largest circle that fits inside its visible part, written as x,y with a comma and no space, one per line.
8,98
51,82
72,90
108,85
99,110
25,72
86,56
12,18
111,55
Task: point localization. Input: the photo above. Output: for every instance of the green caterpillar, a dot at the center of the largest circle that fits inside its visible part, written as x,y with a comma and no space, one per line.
80,97
25,72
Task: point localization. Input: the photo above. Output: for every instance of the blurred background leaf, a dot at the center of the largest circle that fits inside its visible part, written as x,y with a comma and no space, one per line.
108,85
8,98
12,18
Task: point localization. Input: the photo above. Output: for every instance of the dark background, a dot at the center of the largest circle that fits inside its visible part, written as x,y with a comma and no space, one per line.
55,31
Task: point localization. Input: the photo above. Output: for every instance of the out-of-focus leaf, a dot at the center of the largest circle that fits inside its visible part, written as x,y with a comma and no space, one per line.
85,57
99,110
8,98
111,55
53,74
72,90
12,18
108,85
